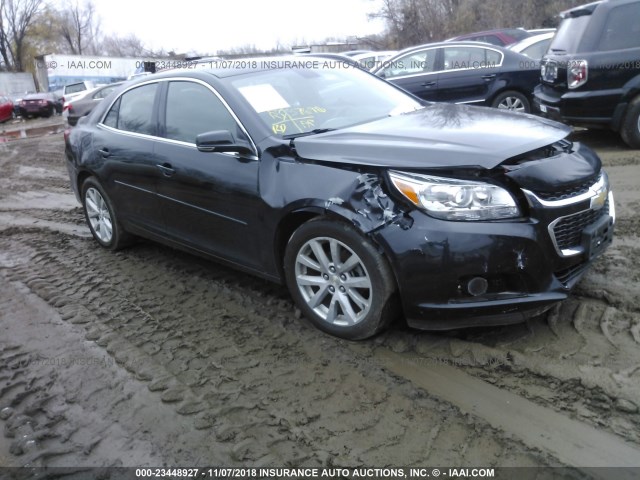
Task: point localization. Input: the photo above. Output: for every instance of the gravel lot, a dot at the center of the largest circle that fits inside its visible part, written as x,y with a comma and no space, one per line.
151,357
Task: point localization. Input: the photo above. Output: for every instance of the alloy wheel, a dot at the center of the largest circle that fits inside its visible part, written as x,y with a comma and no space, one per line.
512,103
333,281
98,214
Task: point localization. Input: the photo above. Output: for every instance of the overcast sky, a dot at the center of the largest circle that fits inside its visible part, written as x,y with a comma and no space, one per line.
206,27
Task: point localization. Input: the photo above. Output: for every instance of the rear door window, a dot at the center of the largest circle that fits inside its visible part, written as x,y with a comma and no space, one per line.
412,63
464,58
133,112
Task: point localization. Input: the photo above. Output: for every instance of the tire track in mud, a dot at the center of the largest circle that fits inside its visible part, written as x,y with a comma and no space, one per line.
229,355
572,442
42,399
581,361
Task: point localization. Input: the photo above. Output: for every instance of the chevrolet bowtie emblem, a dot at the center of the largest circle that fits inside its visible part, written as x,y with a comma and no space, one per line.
599,200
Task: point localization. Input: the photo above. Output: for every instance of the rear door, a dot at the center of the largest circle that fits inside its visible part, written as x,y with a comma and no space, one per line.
615,61
469,73
126,141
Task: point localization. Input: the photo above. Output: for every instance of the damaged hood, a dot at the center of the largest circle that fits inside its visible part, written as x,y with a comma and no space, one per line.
439,135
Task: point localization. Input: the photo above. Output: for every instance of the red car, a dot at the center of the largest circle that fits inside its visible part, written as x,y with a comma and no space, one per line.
501,37
6,108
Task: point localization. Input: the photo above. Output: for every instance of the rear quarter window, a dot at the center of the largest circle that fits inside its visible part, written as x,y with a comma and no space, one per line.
622,28
75,88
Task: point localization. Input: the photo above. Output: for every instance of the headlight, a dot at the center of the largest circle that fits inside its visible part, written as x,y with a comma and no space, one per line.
452,199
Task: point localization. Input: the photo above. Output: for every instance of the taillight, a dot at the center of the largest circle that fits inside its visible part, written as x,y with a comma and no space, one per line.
67,107
42,102
577,73
67,132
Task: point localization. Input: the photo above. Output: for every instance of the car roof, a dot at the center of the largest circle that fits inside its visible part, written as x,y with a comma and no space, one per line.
527,42
360,56
506,31
38,95
459,43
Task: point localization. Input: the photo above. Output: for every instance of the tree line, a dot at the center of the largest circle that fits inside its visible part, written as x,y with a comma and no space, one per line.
413,22
34,27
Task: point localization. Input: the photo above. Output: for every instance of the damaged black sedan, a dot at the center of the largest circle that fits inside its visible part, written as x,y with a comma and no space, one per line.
367,202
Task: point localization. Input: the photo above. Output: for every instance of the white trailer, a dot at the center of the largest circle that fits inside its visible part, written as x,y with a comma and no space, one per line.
55,71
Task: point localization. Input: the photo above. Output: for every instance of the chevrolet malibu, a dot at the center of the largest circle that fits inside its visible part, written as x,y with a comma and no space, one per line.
368,203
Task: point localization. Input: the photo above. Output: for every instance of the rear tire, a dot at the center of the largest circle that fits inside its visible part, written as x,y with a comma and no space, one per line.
339,280
101,216
512,100
630,131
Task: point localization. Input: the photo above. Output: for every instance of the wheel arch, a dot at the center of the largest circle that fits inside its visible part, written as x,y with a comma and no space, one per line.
295,219
511,88
80,179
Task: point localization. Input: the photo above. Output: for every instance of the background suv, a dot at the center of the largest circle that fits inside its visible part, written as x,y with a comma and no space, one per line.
591,74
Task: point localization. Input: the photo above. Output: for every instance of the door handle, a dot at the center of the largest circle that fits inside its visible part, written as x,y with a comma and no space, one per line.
104,152
489,77
166,169
428,84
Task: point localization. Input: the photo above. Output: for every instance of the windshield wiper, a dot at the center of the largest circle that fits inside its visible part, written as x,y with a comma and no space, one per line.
306,134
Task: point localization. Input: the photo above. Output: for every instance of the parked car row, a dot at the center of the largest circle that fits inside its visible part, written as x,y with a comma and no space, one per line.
586,74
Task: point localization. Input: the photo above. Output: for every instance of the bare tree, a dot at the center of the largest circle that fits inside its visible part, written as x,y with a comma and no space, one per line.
16,17
80,27
129,46
411,22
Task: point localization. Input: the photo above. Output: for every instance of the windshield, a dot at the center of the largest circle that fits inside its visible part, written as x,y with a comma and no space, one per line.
298,101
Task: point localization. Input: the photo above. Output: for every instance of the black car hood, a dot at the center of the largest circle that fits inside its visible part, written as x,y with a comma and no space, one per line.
439,135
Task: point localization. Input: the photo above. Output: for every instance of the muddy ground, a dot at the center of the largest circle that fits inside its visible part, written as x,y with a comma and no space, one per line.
152,357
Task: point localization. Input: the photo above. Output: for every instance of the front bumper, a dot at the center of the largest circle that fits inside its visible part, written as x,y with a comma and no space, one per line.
525,273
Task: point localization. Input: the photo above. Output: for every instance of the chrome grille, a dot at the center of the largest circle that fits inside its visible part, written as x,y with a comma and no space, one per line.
568,231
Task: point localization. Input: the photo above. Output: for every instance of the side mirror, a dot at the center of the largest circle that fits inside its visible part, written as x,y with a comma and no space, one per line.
220,141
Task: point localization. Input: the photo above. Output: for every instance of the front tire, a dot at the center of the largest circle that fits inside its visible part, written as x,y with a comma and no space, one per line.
101,217
512,100
339,280
630,131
